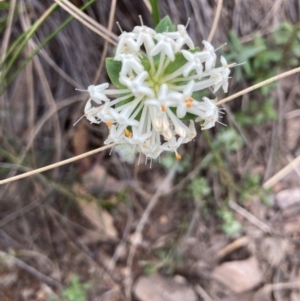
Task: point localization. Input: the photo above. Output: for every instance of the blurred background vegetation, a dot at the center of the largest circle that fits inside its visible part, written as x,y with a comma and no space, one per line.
96,229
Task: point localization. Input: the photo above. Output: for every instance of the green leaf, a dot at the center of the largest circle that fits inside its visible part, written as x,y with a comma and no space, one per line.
113,69
124,102
164,25
179,61
145,62
234,41
251,52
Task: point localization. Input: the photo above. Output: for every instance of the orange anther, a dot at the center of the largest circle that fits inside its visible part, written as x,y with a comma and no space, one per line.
189,105
128,133
163,108
189,100
178,156
109,123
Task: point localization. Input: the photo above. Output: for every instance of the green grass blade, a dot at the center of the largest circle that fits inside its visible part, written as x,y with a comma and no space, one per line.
27,36
16,43
155,11
48,38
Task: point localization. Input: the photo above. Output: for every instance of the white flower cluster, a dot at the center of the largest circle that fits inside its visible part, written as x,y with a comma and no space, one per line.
157,82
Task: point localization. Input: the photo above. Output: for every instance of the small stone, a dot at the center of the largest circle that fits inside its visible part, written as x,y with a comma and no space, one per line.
159,288
239,276
288,197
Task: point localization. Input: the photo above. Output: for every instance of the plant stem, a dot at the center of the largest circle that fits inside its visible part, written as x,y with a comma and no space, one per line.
155,12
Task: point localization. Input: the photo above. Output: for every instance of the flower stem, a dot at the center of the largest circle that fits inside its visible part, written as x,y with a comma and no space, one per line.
175,73
160,66
150,58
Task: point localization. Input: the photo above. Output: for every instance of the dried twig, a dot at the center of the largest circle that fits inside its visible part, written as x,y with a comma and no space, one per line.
75,12
51,166
282,173
268,288
259,85
250,217
140,227
24,266
202,293
216,21
105,47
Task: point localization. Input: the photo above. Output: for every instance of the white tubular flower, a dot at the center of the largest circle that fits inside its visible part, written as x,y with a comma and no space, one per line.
130,63
191,133
183,38
123,117
145,36
97,94
210,55
151,151
172,145
220,75
164,45
160,122
184,100
160,111
152,147
135,137
195,61
162,102
90,112
127,40
210,113
104,115
137,85
149,110
168,134
114,136
180,127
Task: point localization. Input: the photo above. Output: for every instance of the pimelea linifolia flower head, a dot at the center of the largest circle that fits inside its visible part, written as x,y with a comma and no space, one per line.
156,80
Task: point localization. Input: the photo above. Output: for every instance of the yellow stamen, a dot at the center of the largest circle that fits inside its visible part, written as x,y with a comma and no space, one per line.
163,108
189,100
178,156
109,123
128,133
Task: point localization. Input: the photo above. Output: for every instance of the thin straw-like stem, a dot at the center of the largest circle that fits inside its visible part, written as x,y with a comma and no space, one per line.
8,28
51,166
105,47
90,20
148,5
84,22
282,173
216,21
259,85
